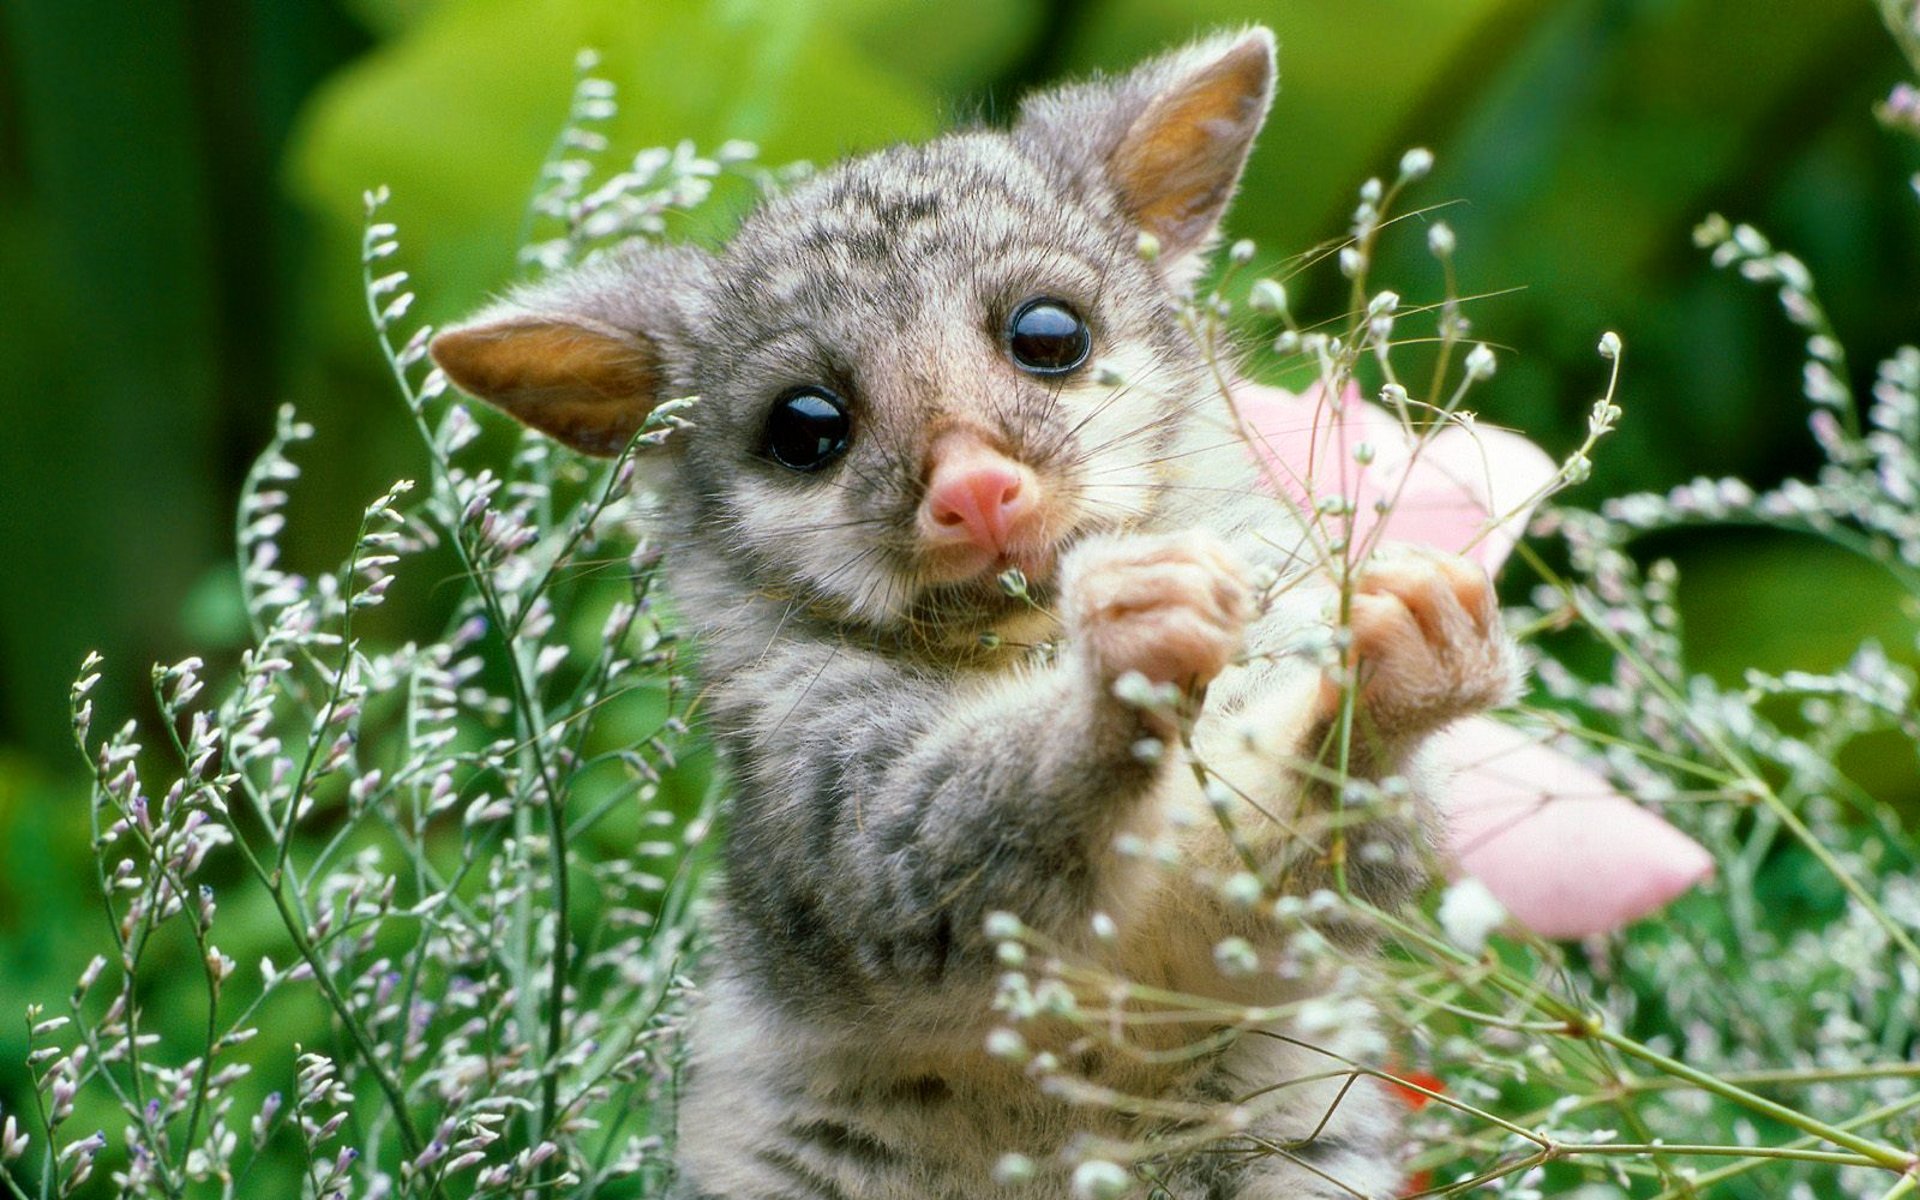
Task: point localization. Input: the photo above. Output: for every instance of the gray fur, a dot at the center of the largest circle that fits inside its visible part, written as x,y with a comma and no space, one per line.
895,782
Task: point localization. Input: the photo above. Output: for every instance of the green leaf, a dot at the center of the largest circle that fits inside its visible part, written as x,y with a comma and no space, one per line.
457,115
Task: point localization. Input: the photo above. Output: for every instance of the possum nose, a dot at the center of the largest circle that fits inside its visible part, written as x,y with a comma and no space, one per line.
975,494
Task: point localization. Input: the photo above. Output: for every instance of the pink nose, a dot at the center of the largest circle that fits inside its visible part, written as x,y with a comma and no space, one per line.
975,494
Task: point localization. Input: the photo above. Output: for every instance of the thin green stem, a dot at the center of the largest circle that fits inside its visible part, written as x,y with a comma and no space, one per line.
13,1186
1695,1150
363,1043
1592,1026
1885,1112
1905,1186
525,709
1877,1153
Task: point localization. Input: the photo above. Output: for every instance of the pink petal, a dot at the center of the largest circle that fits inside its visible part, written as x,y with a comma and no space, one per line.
1566,854
1472,490
1465,489
1305,446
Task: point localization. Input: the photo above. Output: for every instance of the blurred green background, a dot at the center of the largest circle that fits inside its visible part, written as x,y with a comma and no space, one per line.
180,212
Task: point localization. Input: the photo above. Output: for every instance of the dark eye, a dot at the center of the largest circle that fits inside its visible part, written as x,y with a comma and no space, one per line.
807,429
1047,338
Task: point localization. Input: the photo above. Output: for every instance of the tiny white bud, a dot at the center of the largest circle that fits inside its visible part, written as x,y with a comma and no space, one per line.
1415,163
1013,1169
1002,925
1440,240
1480,362
1609,345
1469,913
1007,1044
1219,796
1134,690
1712,231
1241,252
13,1143
1242,889
1236,958
1147,246
1098,1179
1267,296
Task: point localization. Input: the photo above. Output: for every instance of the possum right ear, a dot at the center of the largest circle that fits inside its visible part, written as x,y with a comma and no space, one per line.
581,358
1167,139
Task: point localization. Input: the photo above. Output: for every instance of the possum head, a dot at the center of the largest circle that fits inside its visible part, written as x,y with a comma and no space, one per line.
924,366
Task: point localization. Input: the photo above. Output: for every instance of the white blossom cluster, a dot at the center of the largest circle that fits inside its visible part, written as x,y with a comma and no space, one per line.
458,869
637,201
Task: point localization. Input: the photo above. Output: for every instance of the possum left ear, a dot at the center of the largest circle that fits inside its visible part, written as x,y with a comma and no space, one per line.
1169,137
582,357
579,381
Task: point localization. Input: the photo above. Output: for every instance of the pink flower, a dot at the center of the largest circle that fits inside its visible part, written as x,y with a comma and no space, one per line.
1564,852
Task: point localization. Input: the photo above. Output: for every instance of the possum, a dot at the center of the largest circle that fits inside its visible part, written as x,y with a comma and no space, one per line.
957,492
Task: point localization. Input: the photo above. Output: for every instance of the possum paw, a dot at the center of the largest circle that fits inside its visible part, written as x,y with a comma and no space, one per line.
1173,608
1428,645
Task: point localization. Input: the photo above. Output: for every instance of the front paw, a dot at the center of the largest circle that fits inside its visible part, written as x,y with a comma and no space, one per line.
1173,608
1428,646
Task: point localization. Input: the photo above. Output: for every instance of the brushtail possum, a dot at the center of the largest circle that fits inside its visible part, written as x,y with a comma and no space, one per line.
918,370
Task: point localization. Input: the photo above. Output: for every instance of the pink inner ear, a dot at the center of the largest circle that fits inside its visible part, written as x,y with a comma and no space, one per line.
1178,163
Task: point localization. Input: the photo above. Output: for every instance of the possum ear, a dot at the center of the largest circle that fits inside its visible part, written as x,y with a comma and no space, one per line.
589,385
583,357
1169,138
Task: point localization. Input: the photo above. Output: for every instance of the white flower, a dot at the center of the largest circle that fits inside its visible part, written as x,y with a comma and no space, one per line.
1267,296
1097,1179
1468,913
1004,1043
